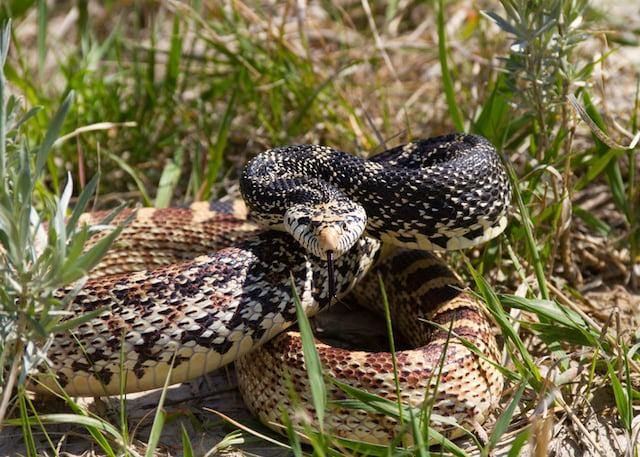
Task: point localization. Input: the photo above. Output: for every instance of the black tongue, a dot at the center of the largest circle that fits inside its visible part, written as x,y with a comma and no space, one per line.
332,282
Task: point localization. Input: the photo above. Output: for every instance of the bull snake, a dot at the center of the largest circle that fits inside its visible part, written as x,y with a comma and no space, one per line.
200,314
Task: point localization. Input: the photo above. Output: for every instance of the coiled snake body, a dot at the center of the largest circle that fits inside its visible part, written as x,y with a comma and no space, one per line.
197,315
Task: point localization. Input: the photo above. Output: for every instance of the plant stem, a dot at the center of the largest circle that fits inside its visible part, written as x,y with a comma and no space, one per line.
18,355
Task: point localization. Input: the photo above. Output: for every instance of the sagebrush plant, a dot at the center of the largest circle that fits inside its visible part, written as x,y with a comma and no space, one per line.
42,248
539,72
32,256
41,245
541,68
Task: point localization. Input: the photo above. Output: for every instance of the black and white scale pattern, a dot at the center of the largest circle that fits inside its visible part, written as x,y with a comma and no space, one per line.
447,192
195,316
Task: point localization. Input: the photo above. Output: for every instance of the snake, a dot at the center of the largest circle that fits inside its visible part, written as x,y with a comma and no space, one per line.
185,291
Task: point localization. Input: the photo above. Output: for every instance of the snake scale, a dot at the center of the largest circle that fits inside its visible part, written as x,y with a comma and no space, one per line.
214,287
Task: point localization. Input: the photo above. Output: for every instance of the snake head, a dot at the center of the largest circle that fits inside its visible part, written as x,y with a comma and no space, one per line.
326,230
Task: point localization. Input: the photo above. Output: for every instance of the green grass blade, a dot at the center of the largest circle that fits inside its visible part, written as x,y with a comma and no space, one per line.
5,37
623,391
160,416
81,204
312,362
187,448
233,437
547,309
447,82
605,161
392,347
593,221
473,348
95,426
597,166
51,135
420,448
27,432
526,365
41,45
216,154
504,420
494,113
530,239
294,439
519,443
175,54
70,324
557,323
623,400
360,399
618,191
134,175
169,179
14,8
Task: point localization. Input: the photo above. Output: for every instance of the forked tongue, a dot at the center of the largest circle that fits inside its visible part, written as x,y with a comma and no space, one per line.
330,275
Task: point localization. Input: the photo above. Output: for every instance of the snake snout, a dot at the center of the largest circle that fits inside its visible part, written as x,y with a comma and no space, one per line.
326,229
329,240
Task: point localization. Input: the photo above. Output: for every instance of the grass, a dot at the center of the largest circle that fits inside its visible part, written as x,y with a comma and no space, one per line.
165,104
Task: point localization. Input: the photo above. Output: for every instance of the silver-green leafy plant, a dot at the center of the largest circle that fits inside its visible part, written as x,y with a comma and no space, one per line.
541,65
41,243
